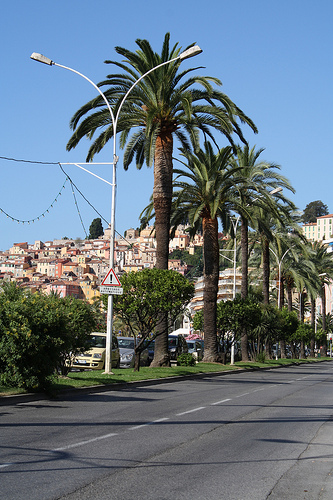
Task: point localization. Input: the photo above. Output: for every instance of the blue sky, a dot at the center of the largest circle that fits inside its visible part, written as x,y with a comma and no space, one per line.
274,59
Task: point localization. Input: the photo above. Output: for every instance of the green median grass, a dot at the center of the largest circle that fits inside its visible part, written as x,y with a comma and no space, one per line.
89,378
128,375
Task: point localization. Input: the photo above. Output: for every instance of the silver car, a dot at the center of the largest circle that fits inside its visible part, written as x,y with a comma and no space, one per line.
127,353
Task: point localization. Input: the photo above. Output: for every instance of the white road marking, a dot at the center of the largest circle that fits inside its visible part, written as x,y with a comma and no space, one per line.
190,411
148,423
82,443
220,402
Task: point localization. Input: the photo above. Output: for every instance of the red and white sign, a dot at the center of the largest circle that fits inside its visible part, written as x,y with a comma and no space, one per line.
111,284
111,279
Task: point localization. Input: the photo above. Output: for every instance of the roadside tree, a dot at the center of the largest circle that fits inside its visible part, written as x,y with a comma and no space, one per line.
161,107
148,294
259,177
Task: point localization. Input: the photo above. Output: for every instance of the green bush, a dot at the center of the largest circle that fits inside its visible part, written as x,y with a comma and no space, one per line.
36,334
261,357
185,359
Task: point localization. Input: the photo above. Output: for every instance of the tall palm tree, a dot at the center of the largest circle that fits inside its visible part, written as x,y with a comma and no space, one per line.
323,262
204,190
270,223
162,106
262,177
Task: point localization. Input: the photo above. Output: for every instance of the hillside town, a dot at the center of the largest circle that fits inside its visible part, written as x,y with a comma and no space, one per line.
77,267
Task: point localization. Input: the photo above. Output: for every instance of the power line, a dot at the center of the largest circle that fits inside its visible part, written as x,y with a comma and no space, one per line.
29,161
73,185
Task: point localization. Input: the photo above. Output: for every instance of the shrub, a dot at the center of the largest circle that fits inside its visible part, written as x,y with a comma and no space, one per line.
186,359
36,333
261,357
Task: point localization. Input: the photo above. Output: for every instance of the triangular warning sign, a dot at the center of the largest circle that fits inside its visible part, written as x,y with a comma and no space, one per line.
111,279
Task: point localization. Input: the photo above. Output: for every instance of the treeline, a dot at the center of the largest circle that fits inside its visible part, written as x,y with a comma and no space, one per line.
266,327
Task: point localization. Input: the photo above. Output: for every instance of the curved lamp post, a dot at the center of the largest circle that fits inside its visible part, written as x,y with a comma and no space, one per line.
192,51
279,261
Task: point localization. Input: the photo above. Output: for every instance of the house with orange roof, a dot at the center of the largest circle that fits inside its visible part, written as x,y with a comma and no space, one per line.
64,288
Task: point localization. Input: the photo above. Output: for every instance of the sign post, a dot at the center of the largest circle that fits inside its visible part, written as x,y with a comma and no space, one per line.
111,284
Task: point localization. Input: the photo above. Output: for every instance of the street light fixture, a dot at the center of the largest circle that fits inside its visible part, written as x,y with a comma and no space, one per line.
191,52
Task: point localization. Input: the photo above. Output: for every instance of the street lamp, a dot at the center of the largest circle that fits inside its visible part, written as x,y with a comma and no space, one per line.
191,52
279,261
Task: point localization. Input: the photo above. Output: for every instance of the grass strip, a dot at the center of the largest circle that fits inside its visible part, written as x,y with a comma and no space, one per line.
90,378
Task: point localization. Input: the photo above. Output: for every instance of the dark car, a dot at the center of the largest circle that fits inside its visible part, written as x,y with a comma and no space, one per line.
176,345
195,347
151,350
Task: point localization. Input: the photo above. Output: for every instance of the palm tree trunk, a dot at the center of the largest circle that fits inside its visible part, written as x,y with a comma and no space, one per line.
265,270
244,285
245,251
323,347
281,292
313,327
211,279
289,297
162,196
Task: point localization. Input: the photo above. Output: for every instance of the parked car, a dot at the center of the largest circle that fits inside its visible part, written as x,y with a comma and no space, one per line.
195,347
127,353
94,358
177,345
151,350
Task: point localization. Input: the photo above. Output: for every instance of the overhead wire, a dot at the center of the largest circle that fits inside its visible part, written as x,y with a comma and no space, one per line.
73,185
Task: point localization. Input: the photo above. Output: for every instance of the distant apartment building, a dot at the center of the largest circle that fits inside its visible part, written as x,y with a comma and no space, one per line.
320,230
225,289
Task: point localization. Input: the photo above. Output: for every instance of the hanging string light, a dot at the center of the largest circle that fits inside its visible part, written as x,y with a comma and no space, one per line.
21,221
28,221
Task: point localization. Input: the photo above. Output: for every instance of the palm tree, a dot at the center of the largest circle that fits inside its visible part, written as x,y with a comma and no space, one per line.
262,177
204,196
161,107
270,223
323,262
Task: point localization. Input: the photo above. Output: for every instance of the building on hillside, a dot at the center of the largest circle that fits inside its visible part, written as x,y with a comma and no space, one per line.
100,267
46,266
180,241
19,248
127,268
63,288
89,287
75,268
320,230
14,266
179,266
225,290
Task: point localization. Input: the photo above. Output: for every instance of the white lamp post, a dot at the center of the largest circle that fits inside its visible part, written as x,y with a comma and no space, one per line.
192,51
279,261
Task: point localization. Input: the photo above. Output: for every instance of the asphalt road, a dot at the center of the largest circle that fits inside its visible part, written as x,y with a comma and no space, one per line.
246,436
